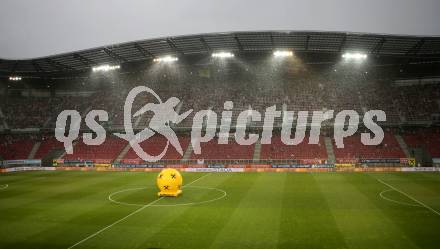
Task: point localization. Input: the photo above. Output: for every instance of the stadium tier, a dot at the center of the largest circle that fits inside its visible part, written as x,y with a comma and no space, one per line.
278,150
154,146
20,147
400,103
428,140
47,145
353,149
390,78
16,146
105,152
232,151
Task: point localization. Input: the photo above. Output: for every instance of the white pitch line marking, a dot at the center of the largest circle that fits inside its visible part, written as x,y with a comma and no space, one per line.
381,194
127,216
110,197
410,197
4,186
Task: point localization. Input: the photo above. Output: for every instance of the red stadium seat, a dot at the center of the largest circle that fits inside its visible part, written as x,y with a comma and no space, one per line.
156,144
109,150
14,148
425,139
46,146
278,150
213,151
354,149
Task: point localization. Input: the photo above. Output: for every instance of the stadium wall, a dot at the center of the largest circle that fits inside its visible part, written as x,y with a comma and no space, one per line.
229,170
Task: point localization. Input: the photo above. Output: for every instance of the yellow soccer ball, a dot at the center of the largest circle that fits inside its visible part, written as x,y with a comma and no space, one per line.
169,182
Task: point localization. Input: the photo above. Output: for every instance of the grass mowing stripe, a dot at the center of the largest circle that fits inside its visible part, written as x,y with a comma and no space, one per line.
55,210
307,221
189,226
25,193
21,198
429,182
80,213
127,216
416,227
359,212
257,217
412,198
25,177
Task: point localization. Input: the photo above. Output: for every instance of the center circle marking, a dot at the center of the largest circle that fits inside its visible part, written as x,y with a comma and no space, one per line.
112,199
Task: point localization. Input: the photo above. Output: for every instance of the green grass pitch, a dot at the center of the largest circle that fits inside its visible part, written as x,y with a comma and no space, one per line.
62,209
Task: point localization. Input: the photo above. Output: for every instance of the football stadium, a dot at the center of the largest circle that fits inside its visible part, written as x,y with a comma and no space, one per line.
238,139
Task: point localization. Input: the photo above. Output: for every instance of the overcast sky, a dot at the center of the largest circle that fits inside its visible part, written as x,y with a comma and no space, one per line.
36,28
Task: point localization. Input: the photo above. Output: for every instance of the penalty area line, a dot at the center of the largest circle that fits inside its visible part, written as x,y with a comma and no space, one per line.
128,216
410,197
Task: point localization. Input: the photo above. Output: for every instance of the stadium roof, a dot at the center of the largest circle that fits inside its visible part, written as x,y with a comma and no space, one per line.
238,42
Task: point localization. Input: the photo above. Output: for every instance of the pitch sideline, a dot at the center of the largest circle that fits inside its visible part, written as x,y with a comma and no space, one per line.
410,197
127,216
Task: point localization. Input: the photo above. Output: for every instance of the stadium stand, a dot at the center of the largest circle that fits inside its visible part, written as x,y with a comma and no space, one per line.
278,150
426,139
155,145
354,149
313,82
37,112
13,147
232,151
48,143
105,152
313,92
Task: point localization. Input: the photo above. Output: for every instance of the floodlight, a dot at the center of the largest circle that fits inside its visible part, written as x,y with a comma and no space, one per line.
105,68
354,56
14,78
282,53
167,59
222,55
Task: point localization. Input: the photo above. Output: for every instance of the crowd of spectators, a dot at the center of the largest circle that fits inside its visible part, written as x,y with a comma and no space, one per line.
301,91
37,112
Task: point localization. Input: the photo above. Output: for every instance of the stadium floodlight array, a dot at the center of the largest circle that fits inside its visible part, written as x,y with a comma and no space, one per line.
354,56
282,53
105,68
15,78
222,55
167,59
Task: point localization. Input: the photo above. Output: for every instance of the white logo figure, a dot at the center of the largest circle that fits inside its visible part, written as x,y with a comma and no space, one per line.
164,114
